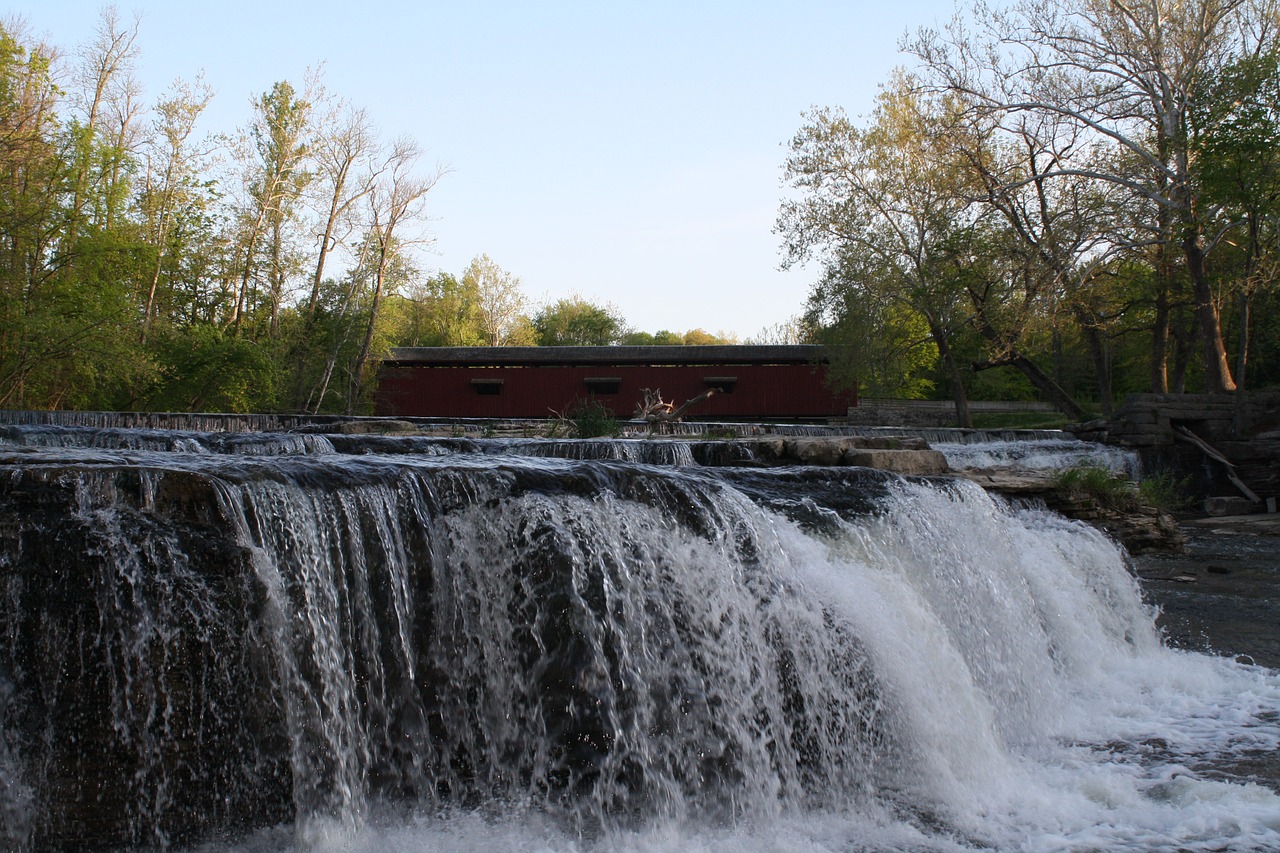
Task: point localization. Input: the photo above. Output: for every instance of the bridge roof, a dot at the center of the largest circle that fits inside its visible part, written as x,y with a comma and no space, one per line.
619,355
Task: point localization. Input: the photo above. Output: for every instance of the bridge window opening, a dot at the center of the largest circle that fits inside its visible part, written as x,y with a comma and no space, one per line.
722,384
602,385
487,387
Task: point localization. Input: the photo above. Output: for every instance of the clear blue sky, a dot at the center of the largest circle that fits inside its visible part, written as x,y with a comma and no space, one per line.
628,152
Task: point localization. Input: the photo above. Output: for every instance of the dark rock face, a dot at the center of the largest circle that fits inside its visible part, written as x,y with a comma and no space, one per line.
126,656
211,647
901,455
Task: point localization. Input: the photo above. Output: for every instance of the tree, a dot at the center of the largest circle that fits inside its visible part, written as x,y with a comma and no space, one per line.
442,312
881,346
1125,77
575,321
880,199
500,298
661,338
343,142
395,200
797,330
702,338
105,82
59,321
1237,148
171,177
273,153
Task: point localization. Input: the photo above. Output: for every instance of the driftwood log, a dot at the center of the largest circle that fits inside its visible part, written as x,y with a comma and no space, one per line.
659,413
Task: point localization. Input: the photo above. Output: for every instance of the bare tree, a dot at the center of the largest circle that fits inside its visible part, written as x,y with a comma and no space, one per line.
273,154
344,141
169,168
1058,230
501,299
105,82
395,199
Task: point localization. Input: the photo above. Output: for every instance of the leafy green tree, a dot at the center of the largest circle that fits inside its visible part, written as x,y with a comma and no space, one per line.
701,337
273,154
880,346
880,201
204,368
440,312
1120,81
575,321
1237,147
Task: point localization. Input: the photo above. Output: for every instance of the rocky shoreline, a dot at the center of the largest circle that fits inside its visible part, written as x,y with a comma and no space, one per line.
1141,529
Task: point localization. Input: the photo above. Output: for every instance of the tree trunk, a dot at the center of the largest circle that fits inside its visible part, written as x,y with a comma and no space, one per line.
1044,383
1160,328
1217,372
1098,353
963,416
1242,362
366,346
1183,334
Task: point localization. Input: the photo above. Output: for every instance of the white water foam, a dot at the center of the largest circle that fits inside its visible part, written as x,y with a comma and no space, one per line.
1028,702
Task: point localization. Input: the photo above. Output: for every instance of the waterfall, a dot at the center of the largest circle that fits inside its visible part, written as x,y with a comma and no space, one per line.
238,643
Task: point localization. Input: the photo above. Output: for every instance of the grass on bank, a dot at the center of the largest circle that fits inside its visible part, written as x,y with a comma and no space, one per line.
1115,491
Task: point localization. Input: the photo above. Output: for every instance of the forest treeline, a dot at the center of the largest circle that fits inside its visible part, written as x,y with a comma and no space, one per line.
145,265
1069,199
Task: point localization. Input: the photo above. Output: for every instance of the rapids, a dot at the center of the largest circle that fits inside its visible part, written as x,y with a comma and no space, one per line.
304,642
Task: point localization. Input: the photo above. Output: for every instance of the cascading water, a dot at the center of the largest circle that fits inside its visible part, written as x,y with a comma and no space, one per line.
376,643
1040,454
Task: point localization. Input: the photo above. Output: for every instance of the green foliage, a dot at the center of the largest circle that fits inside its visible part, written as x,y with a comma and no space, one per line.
1166,491
1114,491
1237,124
440,311
882,347
577,322
135,270
589,418
204,368
667,338
1101,485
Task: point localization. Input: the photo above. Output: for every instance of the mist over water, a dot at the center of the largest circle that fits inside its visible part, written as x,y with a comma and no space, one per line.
342,643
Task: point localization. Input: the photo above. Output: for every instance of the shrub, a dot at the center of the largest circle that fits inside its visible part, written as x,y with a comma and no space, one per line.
1107,488
592,419
1167,492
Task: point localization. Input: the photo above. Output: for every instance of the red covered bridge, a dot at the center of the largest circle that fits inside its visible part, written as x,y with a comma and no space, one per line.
757,382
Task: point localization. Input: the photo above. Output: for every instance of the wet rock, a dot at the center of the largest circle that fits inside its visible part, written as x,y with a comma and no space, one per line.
374,427
902,455
914,462
1228,505
1140,529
